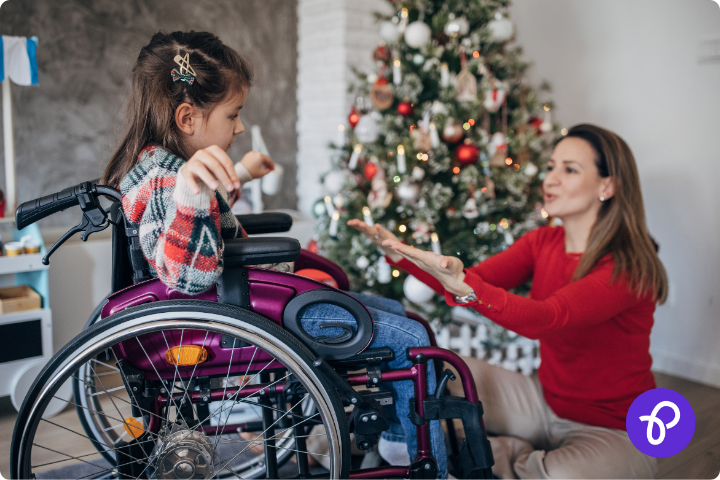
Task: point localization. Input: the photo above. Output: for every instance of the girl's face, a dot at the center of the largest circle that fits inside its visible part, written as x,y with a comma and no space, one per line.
220,126
573,186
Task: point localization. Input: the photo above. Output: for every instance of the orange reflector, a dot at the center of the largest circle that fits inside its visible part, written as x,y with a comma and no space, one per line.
186,355
133,427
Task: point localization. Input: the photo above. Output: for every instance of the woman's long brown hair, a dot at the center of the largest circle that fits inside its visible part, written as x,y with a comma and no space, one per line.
150,119
620,228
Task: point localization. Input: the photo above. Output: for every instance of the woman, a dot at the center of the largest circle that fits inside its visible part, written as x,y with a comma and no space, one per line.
596,281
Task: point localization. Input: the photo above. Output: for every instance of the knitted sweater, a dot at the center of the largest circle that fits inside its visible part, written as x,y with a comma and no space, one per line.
181,233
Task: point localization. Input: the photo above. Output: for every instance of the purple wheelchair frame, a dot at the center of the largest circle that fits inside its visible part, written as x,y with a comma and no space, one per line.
270,292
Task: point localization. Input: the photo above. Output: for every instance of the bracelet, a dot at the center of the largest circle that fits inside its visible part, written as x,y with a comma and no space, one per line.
470,297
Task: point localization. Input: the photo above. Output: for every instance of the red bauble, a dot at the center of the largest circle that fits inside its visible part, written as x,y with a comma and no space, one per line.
354,118
370,170
466,154
405,109
382,53
535,123
312,246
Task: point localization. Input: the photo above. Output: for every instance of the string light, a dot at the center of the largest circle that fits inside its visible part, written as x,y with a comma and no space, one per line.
396,273
471,121
516,167
424,157
493,227
396,179
508,161
564,131
543,213
402,228
546,107
419,156
404,13
466,126
476,54
456,170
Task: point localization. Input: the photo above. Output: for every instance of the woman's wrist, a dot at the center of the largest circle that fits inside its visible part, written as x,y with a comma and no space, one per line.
458,286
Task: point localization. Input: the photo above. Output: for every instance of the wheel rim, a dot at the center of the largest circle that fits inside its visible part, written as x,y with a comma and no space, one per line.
80,362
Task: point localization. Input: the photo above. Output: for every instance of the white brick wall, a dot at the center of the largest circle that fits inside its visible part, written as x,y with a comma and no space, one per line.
332,36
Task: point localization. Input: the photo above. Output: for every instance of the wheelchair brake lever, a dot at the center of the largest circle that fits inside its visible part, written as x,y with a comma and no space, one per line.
78,228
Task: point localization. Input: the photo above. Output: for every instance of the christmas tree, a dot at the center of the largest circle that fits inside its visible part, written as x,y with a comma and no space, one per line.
444,147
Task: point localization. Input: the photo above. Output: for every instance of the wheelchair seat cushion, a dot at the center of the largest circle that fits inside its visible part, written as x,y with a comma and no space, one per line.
241,252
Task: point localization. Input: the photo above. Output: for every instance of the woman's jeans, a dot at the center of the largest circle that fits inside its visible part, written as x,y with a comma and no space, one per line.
392,329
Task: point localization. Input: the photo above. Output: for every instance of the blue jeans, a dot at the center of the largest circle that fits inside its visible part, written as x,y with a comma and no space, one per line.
392,329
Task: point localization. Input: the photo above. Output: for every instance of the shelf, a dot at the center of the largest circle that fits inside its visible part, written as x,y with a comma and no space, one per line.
22,263
10,219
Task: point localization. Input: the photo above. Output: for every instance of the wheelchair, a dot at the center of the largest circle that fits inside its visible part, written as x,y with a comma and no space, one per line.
227,383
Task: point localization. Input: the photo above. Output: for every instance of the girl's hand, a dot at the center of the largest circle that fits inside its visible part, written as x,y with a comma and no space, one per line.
257,164
377,235
447,270
212,166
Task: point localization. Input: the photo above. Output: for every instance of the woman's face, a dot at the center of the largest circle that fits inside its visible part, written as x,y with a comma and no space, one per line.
573,186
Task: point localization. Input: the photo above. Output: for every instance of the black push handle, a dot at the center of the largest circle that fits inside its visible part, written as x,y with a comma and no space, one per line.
34,210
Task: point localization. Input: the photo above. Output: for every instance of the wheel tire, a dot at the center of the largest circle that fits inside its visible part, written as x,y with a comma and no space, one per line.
186,315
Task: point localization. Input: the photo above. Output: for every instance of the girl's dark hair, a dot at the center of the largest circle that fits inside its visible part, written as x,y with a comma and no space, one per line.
150,119
620,228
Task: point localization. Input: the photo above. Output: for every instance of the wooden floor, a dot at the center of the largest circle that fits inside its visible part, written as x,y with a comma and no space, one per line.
701,459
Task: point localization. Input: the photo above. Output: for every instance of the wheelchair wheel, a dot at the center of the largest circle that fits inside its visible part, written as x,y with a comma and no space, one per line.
183,389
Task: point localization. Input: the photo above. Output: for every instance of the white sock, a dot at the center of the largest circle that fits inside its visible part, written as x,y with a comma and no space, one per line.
395,453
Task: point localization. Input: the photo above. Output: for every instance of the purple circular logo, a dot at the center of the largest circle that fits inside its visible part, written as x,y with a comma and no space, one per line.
660,422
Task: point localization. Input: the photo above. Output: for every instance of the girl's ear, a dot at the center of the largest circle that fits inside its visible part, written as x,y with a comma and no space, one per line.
184,118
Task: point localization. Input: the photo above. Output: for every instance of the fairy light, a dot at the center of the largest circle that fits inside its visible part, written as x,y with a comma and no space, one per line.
334,224
516,167
546,107
466,126
366,216
424,157
435,243
476,54
493,227
543,213
508,161
355,157
341,134
419,156
404,13
564,131
396,179
402,228
471,121
396,273
401,166
329,206
456,170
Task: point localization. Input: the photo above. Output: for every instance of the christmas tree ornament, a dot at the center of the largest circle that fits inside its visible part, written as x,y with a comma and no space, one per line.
416,291
418,174
453,131
466,154
418,59
509,240
339,200
417,34
379,197
381,94
434,137
407,192
444,75
457,27
470,210
366,129
546,125
421,232
312,245
530,169
489,189
438,108
421,139
334,220
355,156
405,108
319,208
362,262
389,31
334,181
501,29
383,271
497,149
370,170
397,72
353,118
382,53
401,165
371,78
466,86
329,206
495,95
535,123
435,243
367,218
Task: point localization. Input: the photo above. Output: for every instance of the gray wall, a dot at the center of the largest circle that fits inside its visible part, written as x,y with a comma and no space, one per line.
66,128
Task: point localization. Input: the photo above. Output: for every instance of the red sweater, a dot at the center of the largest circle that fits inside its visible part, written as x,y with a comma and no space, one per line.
594,336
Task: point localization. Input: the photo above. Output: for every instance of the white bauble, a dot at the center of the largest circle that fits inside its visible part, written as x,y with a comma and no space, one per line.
416,291
417,34
502,29
389,31
509,240
362,262
546,126
418,174
372,78
530,169
438,108
457,26
407,192
366,129
334,181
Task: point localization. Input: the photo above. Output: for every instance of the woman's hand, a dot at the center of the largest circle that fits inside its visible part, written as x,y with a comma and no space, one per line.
211,166
447,270
377,234
257,164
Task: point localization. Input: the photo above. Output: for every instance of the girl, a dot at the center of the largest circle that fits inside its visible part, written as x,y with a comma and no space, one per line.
596,281
178,184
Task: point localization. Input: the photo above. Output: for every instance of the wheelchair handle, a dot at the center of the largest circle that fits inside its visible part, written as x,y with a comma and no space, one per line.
32,211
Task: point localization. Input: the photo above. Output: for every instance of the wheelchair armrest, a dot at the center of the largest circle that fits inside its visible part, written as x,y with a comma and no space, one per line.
272,222
240,252
309,259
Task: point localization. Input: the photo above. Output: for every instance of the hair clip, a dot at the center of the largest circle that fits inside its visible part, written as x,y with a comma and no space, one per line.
186,73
